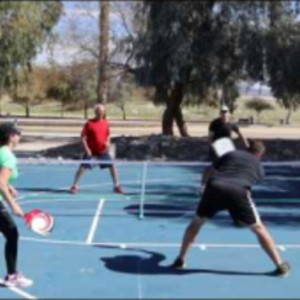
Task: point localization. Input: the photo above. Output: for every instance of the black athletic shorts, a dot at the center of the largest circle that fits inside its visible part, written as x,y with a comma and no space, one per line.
105,157
219,195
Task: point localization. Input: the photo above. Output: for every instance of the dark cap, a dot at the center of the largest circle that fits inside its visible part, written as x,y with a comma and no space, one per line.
9,128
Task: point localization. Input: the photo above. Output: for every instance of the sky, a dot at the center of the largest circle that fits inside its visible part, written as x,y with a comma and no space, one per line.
63,51
84,15
73,13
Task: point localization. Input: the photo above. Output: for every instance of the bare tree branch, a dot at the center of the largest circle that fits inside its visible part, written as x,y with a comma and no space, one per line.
123,17
92,51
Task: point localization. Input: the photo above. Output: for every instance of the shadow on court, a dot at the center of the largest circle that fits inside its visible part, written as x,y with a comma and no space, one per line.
285,218
136,264
277,199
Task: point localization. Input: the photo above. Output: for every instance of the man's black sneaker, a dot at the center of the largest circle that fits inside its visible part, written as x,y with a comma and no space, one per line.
282,270
178,263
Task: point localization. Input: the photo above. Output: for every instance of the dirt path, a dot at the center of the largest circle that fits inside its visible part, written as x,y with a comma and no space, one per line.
41,134
146,128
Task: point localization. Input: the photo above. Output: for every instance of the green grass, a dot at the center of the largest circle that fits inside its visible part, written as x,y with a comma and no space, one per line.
141,109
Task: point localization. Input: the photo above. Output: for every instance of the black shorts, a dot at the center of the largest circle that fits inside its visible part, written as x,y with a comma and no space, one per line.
105,156
219,195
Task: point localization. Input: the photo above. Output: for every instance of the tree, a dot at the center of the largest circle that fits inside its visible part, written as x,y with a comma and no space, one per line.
121,90
258,105
60,90
102,89
84,84
119,30
74,86
24,27
31,88
166,54
282,56
193,47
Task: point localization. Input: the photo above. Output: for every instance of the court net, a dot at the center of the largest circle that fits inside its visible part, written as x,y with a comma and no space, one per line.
152,188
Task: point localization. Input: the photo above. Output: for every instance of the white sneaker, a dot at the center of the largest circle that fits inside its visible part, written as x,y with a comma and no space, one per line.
17,279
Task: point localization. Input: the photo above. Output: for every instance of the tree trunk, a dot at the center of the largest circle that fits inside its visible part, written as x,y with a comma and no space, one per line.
102,88
27,110
177,95
1,94
0,102
180,122
173,112
61,110
85,111
161,94
257,117
167,121
289,116
124,113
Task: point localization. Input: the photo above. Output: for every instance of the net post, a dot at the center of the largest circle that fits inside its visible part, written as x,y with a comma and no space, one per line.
143,190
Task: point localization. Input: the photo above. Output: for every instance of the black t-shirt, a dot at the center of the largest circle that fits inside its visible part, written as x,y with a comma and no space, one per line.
239,167
221,129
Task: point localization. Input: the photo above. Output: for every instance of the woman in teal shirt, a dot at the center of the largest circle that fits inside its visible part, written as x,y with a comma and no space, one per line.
9,139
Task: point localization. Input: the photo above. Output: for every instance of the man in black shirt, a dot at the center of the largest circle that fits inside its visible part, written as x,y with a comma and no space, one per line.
228,187
222,127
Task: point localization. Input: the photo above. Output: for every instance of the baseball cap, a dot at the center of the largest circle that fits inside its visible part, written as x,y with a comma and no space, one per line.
224,108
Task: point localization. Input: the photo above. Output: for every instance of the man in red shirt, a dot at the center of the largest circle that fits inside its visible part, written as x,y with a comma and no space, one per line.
95,137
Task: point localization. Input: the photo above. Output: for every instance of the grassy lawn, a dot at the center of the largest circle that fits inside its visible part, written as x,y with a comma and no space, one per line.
141,109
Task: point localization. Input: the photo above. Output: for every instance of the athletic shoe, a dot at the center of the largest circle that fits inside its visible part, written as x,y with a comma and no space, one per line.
74,189
282,270
17,279
118,190
179,263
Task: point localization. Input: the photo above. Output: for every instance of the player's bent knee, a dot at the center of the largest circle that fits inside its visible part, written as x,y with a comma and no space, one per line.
257,227
197,222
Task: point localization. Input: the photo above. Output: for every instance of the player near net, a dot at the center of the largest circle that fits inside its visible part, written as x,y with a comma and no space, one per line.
228,187
95,137
9,139
222,127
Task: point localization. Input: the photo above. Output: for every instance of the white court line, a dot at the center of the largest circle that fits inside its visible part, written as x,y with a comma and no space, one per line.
125,245
19,291
95,222
52,241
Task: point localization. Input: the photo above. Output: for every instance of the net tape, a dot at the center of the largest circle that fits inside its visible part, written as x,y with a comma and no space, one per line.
62,161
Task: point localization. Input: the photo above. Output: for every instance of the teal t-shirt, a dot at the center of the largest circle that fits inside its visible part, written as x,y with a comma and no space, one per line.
8,160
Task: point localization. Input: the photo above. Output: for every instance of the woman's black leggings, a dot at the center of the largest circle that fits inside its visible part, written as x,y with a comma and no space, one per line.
10,232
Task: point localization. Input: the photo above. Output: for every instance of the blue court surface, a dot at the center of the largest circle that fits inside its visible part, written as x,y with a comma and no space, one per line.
101,248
